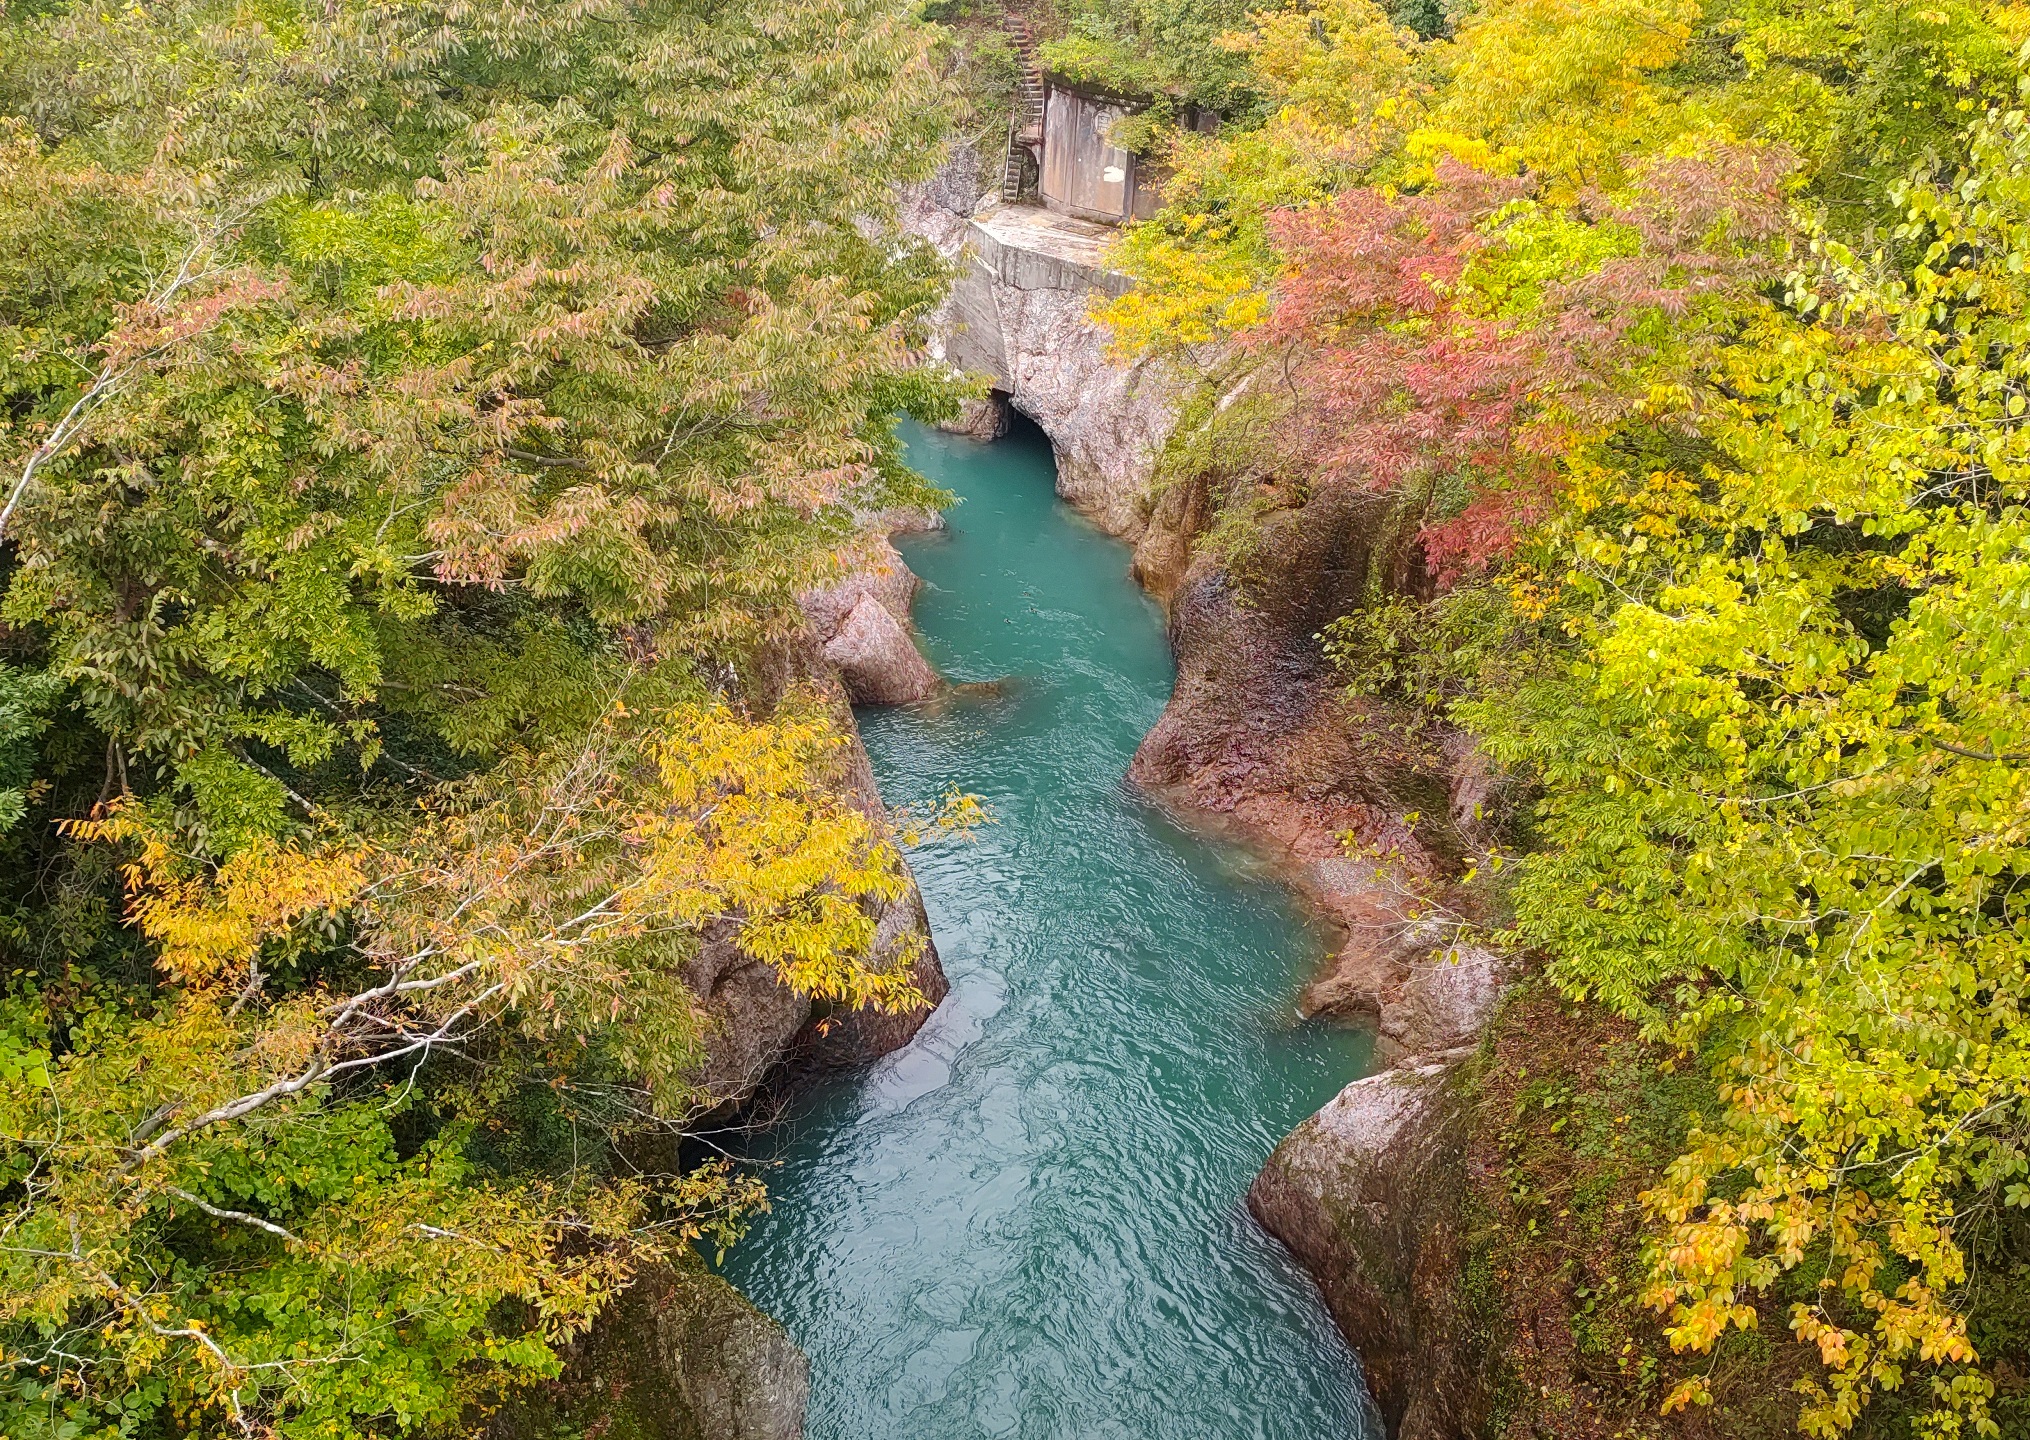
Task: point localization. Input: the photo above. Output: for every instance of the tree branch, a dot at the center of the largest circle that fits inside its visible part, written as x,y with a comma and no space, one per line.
216,1213
2014,757
561,462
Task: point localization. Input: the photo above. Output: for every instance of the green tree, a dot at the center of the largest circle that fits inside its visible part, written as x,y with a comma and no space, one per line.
418,421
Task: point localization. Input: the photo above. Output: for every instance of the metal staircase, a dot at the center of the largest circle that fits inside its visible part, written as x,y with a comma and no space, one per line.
1026,126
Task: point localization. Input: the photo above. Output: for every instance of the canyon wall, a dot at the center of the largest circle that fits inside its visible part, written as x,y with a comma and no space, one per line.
1020,315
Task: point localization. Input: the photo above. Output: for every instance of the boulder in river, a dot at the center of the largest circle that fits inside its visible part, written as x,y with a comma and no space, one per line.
876,658
679,1355
1369,1194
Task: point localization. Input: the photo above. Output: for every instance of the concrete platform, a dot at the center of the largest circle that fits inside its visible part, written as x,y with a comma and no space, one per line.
1035,249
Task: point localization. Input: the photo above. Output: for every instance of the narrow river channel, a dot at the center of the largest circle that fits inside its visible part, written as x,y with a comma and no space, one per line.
1029,1223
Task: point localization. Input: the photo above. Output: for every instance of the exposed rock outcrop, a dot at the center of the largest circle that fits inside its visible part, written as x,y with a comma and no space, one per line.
876,658
855,649
1259,739
679,1355
874,570
754,1022
862,624
983,419
751,1017
1368,1194
1019,314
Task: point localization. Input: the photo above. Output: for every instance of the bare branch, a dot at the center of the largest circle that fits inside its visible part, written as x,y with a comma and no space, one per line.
240,1215
119,366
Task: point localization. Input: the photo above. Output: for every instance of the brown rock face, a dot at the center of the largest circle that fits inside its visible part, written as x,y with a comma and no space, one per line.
856,1037
752,1016
1259,739
679,1355
861,621
876,658
1368,1195
876,570
755,1023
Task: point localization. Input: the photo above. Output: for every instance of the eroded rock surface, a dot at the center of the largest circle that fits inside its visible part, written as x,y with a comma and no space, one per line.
755,1023
679,1355
1368,1195
874,570
877,660
1020,314
861,621
1260,739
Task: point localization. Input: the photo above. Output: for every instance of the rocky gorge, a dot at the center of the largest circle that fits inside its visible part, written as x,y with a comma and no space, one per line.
1259,743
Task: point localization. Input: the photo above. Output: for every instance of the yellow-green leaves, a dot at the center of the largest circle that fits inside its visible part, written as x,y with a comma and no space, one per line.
1790,800
549,906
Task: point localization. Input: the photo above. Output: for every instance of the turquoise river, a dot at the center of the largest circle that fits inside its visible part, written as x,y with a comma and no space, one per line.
1029,1223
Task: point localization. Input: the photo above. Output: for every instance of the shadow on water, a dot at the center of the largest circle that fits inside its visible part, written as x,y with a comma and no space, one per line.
1029,1222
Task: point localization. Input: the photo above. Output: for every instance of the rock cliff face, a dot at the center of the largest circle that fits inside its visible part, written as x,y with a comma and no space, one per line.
1020,315
1368,1194
1260,740
679,1355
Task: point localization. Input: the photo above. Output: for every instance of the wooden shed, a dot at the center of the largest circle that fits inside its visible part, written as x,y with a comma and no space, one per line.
1080,173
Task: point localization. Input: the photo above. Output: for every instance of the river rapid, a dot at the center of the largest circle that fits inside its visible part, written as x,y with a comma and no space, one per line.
1029,1222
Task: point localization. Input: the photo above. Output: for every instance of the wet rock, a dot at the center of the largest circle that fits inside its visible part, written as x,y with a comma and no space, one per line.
986,419
1368,1194
876,658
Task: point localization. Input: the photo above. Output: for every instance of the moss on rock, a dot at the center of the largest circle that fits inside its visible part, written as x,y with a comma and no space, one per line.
680,1355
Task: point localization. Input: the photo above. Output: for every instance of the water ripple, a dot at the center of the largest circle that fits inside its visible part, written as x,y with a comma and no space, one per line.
1028,1223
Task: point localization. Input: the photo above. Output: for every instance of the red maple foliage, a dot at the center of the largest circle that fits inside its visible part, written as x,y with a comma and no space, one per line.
1409,383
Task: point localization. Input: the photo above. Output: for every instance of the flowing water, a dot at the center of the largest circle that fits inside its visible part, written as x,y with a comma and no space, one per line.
1029,1223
